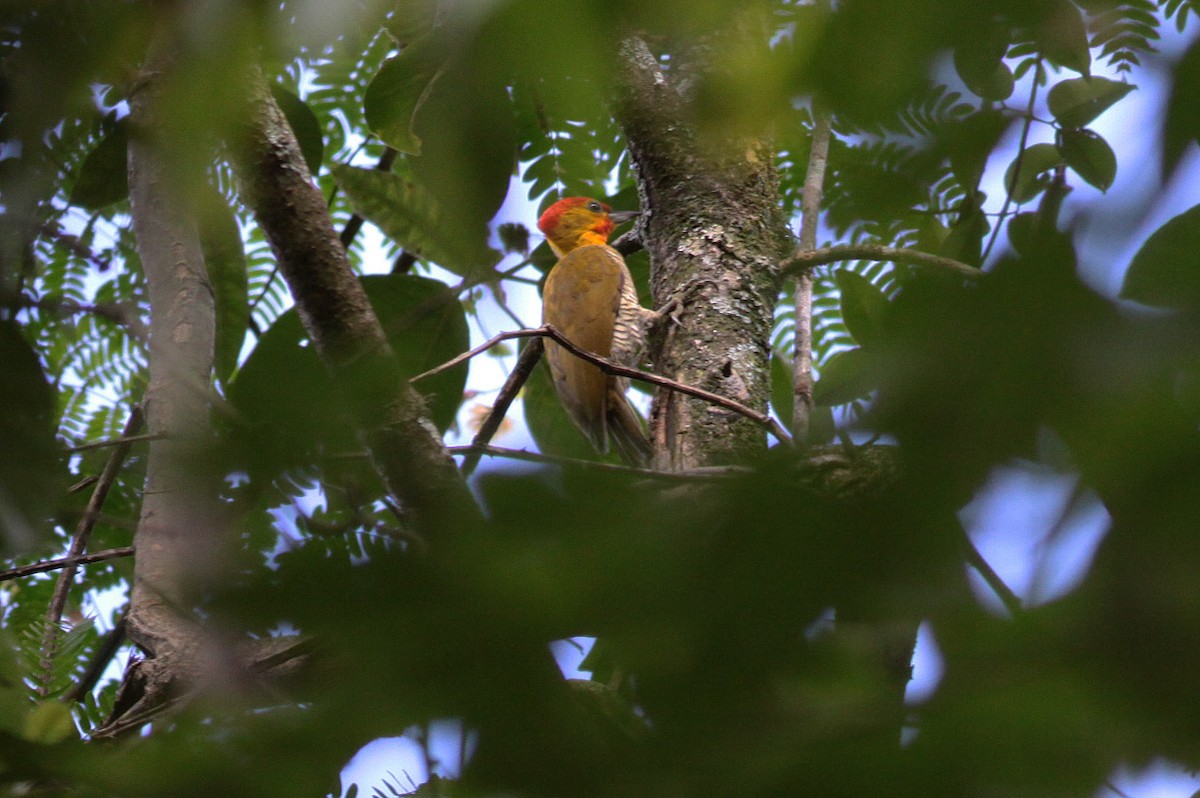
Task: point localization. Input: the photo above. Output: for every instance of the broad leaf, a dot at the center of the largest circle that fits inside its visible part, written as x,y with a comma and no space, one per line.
399,90
848,375
412,218
783,392
1026,175
225,261
1182,124
285,393
1063,36
304,125
103,177
1076,102
28,468
863,308
1090,156
1166,270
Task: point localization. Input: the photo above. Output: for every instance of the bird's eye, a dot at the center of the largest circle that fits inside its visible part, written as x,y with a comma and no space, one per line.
594,207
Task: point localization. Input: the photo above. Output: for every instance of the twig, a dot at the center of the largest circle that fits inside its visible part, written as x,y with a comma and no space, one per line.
911,257
609,367
512,386
1010,600
108,649
83,531
64,562
692,475
1016,170
810,206
83,447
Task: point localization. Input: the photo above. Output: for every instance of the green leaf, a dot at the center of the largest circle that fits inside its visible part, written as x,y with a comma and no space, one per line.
783,392
304,125
406,213
1165,271
1022,232
399,89
970,142
1182,124
49,723
964,242
1026,175
29,480
1062,36
846,376
284,391
225,261
981,64
103,177
863,308
1090,156
1076,102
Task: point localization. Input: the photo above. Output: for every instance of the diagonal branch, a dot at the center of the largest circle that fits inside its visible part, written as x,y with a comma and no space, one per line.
609,367
512,386
83,531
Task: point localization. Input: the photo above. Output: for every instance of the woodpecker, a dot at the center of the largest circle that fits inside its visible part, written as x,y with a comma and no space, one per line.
590,298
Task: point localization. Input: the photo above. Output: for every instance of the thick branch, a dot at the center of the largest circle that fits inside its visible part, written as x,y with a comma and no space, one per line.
404,444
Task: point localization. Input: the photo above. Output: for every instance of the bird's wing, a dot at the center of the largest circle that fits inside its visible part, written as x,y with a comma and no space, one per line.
581,300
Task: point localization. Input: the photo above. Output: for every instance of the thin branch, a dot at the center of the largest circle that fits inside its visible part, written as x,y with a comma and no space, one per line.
692,475
64,562
911,257
1016,169
108,649
120,441
609,367
810,205
512,386
83,531
1010,600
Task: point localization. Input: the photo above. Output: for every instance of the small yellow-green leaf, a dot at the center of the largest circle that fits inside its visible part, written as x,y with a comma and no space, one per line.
49,723
1090,157
1076,102
1026,175
398,91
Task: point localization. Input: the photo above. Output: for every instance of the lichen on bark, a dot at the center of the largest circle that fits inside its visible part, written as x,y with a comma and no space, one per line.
715,234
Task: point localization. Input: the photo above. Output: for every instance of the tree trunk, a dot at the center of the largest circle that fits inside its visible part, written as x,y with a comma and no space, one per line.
404,444
177,536
715,235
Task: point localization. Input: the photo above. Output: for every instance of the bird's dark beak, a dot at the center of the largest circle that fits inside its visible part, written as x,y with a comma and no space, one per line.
620,217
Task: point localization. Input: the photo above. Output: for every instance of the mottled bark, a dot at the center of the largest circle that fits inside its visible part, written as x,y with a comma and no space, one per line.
715,235
403,442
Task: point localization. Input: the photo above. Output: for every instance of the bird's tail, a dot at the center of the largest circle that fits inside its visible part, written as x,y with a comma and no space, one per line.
627,430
